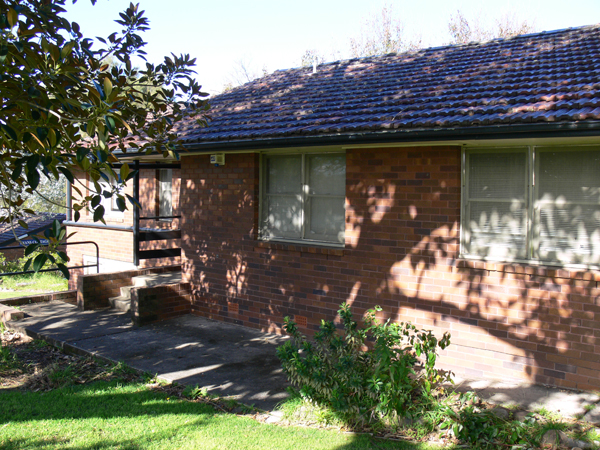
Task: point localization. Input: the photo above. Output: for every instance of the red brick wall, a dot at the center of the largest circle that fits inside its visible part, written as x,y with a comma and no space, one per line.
94,290
118,245
63,296
153,304
13,254
402,227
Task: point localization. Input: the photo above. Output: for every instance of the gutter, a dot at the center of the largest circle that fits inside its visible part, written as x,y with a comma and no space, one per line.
101,226
513,131
70,223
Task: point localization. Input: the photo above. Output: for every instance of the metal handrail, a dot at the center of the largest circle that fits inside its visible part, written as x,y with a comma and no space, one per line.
160,217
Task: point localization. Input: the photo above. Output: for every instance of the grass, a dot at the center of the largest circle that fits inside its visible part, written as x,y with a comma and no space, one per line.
113,415
33,284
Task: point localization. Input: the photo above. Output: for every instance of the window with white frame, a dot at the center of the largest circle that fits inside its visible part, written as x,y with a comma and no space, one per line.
532,204
303,197
165,192
109,203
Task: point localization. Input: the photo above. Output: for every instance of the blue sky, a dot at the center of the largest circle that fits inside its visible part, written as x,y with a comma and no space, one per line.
275,33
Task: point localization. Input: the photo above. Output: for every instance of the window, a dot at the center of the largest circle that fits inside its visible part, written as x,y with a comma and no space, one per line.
532,204
303,197
165,192
110,203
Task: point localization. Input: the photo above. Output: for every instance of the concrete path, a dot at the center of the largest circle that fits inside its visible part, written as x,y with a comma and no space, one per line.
227,359
567,403
235,361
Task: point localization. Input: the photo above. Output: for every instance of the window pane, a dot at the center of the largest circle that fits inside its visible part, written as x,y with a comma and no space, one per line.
497,229
284,175
496,222
327,174
569,176
326,221
498,175
292,211
283,216
568,203
570,233
165,192
109,203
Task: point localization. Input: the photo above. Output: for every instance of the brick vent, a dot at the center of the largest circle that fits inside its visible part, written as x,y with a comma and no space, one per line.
301,321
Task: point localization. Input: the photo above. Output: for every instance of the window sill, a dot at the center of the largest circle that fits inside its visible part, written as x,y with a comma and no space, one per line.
312,248
532,268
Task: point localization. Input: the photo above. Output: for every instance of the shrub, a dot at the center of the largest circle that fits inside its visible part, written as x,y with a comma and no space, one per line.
364,383
20,265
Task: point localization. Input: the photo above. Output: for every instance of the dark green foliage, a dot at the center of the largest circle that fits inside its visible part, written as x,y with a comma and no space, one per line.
470,422
364,383
66,111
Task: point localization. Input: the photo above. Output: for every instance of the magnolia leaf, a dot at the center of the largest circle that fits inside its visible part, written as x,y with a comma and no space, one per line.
31,248
133,201
124,172
42,133
63,269
16,173
10,132
12,17
96,199
110,123
121,204
33,178
99,213
56,228
39,262
107,86
67,173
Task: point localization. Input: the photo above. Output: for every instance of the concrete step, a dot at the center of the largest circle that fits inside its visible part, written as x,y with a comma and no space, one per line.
123,302
155,279
126,291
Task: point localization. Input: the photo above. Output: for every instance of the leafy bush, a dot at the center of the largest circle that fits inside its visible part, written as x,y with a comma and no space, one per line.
481,428
9,266
20,265
364,383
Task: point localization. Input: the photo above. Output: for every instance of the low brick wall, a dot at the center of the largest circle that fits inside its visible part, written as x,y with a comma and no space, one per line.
94,290
7,306
156,303
63,296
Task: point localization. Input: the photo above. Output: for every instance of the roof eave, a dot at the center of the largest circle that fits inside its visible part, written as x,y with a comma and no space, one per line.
483,133
513,131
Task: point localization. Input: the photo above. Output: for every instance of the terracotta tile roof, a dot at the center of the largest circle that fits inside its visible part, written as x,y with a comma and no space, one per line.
37,224
549,77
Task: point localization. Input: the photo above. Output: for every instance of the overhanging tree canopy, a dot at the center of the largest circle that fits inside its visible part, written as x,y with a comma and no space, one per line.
63,109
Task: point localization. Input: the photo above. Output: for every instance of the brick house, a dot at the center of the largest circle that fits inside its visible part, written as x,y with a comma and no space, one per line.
159,197
36,225
457,187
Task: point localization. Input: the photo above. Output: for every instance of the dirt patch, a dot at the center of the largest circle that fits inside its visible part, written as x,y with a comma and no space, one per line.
34,365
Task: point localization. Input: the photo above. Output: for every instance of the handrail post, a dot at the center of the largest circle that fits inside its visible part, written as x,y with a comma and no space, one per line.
136,214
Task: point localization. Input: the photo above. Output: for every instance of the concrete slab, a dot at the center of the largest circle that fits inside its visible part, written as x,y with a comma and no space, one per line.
567,403
235,361
228,360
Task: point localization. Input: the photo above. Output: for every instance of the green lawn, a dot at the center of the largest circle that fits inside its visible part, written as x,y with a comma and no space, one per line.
35,284
111,415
